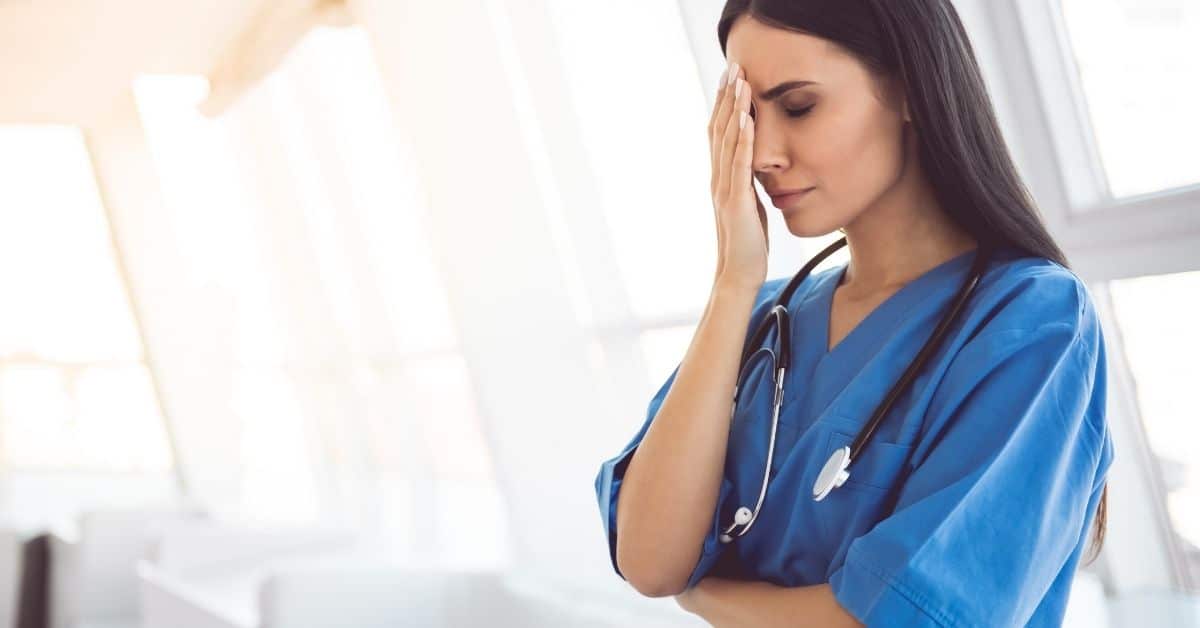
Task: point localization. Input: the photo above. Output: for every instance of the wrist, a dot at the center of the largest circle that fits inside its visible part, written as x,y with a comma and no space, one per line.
736,287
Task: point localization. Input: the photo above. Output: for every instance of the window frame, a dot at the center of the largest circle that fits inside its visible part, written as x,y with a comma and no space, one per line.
1106,238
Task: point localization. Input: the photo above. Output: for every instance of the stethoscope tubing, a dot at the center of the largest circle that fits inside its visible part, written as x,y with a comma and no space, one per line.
778,318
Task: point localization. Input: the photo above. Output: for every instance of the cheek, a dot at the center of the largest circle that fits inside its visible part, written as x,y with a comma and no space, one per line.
857,154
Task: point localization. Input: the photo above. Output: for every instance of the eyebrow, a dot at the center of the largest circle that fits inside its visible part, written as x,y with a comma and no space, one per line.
778,90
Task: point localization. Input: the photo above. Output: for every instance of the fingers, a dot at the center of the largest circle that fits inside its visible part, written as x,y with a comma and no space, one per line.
723,102
734,127
718,121
743,153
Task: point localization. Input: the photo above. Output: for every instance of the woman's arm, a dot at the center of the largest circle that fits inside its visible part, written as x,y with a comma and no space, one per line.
673,480
733,603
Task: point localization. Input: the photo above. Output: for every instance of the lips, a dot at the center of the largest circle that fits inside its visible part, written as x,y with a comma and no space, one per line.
785,196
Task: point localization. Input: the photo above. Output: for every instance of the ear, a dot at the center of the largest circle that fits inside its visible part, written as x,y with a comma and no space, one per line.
897,92
904,102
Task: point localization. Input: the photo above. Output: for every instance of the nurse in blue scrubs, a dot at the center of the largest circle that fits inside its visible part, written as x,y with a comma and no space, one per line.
972,502
986,474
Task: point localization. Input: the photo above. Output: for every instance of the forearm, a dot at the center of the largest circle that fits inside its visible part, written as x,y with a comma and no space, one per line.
670,488
735,603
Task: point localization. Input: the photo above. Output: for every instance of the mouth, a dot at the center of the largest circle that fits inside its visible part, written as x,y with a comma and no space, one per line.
785,197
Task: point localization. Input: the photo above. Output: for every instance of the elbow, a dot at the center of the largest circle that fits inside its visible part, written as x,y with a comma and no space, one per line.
655,587
646,573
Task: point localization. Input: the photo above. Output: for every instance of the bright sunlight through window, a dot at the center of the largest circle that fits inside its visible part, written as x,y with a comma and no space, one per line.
75,392
1157,319
1138,62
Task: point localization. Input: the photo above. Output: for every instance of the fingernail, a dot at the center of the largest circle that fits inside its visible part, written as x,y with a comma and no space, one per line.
737,91
742,120
733,71
724,76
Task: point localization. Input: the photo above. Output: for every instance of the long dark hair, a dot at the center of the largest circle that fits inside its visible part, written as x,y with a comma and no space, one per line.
923,44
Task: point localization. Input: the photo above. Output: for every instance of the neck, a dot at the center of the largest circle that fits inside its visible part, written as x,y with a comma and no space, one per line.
898,239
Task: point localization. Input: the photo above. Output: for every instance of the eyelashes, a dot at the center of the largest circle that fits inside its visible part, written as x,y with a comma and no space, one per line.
791,113
798,113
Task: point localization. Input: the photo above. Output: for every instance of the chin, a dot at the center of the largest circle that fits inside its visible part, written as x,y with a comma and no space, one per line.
801,228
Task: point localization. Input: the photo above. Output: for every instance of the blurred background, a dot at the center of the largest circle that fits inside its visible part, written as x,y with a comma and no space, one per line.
325,313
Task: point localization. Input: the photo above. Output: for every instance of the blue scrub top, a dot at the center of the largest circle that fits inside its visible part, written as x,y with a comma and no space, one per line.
972,502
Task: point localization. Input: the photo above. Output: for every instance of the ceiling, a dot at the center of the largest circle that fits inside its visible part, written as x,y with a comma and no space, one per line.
65,61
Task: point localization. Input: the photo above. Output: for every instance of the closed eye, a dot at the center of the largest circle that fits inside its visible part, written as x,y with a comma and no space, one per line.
798,113
791,113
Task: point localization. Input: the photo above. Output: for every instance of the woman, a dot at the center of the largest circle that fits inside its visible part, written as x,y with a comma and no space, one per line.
972,501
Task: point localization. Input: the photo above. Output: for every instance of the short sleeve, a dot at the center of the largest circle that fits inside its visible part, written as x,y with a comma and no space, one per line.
612,471
1004,481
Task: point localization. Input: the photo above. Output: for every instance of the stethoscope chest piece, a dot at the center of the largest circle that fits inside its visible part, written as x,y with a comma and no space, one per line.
833,474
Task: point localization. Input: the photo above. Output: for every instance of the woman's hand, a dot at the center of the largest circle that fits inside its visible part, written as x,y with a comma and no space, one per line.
742,242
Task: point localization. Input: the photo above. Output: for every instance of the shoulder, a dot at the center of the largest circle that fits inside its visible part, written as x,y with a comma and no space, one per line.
1024,294
1035,328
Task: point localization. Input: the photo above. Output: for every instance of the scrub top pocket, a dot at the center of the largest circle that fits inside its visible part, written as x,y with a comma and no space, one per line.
880,465
867,496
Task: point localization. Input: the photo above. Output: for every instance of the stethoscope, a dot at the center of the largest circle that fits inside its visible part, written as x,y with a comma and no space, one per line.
836,469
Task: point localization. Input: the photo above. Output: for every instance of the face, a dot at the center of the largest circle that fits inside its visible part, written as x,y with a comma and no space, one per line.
843,135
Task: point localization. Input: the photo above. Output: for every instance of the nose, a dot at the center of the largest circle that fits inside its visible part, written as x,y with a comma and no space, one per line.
769,153
767,157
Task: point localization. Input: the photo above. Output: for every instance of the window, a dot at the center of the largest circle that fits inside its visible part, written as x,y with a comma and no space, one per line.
1137,63
1157,320
212,205
75,390
300,202
643,118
